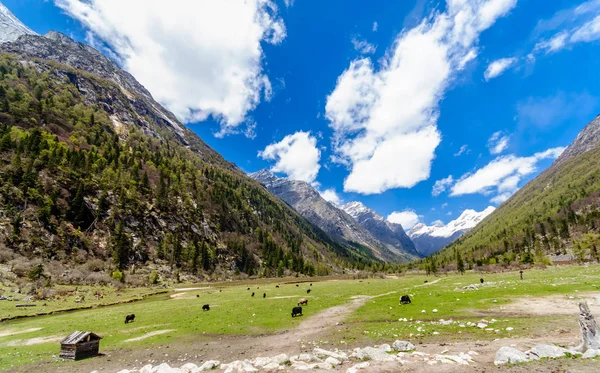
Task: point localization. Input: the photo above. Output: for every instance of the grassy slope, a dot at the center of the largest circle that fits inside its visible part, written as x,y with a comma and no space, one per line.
377,320
572,185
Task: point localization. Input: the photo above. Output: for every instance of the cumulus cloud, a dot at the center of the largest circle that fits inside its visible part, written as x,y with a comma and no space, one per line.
407,218
375,26
496,68
580,24
498,142
297,156
363,46
463,150
502,175
388,145
331,195
190,54
441,185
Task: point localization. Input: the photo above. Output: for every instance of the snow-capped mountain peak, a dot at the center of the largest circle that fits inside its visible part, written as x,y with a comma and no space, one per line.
431,238
10,26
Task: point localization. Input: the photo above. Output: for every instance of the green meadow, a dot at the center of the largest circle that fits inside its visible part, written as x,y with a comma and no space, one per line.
177,315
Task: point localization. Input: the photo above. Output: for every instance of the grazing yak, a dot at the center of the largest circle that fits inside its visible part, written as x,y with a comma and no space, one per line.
405,299
264,295
252,294
425,281
297,285
307,291
277,286
248,288
296,311
310,284
303,301
206,307
481,280
129,318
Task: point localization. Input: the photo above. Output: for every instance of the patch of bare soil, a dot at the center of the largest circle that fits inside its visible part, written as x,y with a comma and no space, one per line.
150,334
34,341
7,333
553,305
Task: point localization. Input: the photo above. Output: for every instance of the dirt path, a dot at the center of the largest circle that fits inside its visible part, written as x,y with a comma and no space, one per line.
150,334
553,305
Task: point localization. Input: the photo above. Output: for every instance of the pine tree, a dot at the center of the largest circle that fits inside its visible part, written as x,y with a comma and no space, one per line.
121,246
460,265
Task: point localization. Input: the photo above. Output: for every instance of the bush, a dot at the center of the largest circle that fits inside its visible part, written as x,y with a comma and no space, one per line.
95,265
36,272
118,275
153,278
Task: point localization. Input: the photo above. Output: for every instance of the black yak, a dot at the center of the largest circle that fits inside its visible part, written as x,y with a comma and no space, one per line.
405,299
297,285
248,288
296,311
307,291
303,301
129,318
277,286
481,280
206,307
264,295
252,294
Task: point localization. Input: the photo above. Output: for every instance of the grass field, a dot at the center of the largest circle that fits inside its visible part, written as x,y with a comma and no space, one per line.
178,315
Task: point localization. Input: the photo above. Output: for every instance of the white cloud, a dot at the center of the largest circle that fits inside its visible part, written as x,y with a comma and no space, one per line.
463,150
375,26
498,142
441,186
288,3
363,46
580,24
390,145
296,155
331,195
407,218
496,68
502,175
192,55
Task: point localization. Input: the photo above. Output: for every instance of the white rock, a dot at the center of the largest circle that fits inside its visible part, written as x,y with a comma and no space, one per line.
300,365
371,353
591,353
189,368
321,353
481,325
385,348
423,311
209,365
509,355
549,351
509,328
402,346
333,362
121,371
162,368
305,357
280,359
358,367
146,369
272,366
239,366
262,361
434,310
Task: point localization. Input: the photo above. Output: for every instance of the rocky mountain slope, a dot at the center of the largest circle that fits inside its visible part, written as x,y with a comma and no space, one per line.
96,176
10,26
341,226
556,213
389,234
429,239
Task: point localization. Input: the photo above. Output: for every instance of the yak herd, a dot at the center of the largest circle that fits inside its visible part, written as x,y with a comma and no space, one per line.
296,311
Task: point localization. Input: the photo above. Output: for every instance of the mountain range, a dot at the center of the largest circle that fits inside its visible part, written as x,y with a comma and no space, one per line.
430,239
353,223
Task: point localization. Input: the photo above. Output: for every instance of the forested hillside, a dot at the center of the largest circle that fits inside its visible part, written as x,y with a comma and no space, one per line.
556,213
86,194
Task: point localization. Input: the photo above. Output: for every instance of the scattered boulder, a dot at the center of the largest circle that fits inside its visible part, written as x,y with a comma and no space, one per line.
321,353
358,367
548,351
591,353
333,362
403,346
372,353
280,359
209,365
510,355
189,368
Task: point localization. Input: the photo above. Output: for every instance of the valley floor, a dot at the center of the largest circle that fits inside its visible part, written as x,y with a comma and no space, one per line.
341,314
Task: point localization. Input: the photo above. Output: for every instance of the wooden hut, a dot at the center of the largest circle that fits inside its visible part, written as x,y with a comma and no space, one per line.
80,345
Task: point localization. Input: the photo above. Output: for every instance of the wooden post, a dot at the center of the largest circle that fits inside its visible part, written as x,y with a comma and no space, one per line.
590,333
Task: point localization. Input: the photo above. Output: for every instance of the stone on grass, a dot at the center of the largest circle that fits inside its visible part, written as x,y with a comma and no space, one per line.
510,355
321,353
162,368
146,368
358,367
189,368
209,365
549,351
262,361
403,346
272,366
371,353
280,359
591,353
333,361
385,347
481,325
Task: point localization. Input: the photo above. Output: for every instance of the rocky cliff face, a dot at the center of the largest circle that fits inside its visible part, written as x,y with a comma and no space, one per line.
430,239
10,26
309,203
390,234
587,140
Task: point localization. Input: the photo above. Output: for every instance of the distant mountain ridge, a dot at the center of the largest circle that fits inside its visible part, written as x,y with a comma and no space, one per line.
392,235
334,220
429,239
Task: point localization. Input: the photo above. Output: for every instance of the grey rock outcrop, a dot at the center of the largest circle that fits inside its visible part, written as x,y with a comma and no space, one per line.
10,26
509,355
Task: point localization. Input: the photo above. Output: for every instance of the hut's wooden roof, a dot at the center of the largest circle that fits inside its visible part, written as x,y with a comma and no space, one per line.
78,336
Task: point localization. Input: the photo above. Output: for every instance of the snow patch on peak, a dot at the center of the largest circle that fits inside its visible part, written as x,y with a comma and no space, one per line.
357,210
466,221
10,26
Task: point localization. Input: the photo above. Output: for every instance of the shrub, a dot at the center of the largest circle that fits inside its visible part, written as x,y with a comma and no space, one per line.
153,278
118,275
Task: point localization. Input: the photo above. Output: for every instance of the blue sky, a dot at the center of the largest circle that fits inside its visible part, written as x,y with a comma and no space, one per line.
378,98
